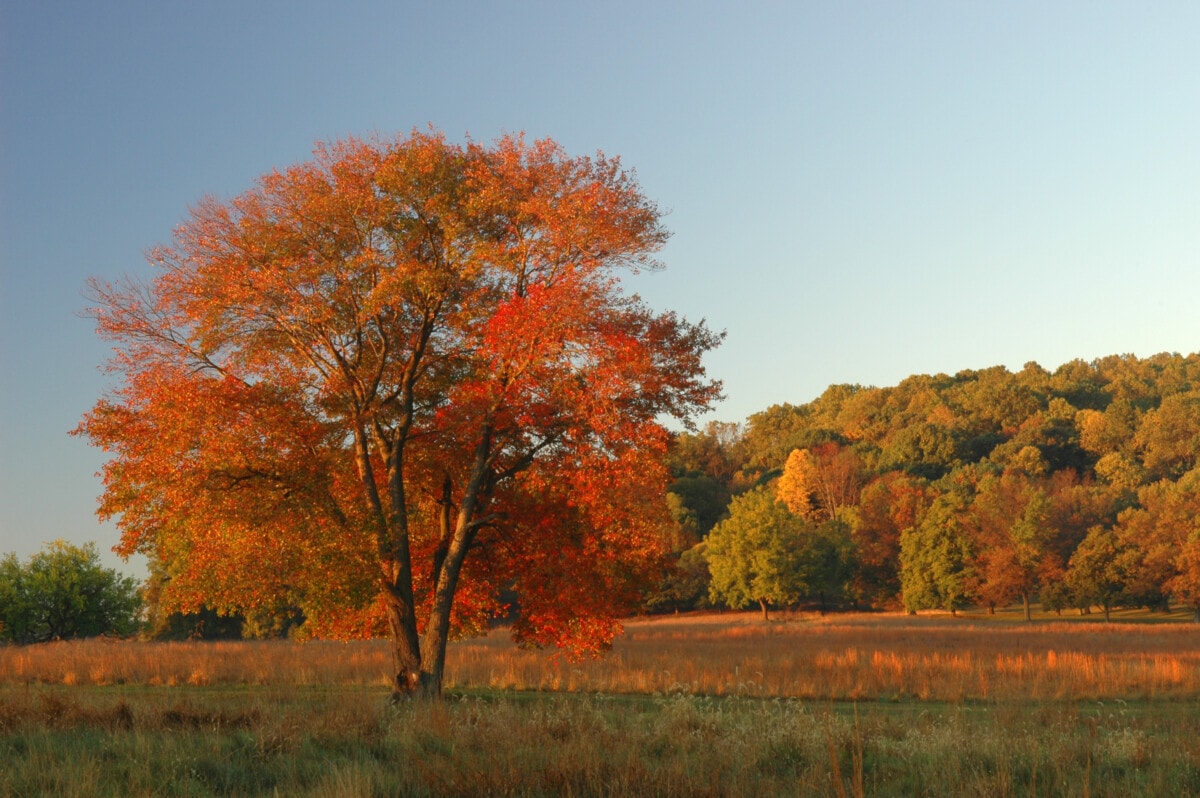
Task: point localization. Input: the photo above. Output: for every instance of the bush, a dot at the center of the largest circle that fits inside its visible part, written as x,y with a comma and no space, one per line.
63,592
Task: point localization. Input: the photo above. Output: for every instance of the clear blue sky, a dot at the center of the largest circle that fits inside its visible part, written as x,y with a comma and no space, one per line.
858,191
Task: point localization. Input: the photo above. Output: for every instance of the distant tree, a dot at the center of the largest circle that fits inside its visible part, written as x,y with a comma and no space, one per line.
1185,585
1081,384
717,451
925,449
1098,572
63,592
686,586
1077,503
825,561
753,554
994,399
771,435
1169,436
698,503
1107,431
797,485
1159,536
888,505
764,554
818,482
1123,475
1015,552
935,558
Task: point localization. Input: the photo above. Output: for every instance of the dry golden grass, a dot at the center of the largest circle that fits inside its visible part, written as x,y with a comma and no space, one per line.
861,657
720,705
106,662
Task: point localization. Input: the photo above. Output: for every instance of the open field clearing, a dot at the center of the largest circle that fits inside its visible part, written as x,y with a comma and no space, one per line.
838,657
706,705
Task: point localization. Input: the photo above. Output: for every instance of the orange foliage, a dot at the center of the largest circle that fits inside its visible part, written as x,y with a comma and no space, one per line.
388,383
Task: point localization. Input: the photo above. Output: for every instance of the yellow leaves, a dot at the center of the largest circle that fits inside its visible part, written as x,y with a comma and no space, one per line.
797,485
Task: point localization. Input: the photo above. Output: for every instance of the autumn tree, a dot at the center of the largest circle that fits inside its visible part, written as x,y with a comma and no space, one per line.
1161,537
888,505
816,483
384,384
1015,554
796,486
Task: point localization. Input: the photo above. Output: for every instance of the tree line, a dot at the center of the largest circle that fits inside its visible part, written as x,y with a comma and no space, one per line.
1077,488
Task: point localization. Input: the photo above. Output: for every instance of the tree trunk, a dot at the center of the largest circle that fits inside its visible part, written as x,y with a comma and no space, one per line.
406,646
437,628
1025,603
766,616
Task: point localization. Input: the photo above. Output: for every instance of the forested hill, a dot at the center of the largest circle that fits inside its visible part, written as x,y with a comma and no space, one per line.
1078,486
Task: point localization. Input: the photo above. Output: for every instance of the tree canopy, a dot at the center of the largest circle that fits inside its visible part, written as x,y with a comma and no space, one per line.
397,382
987,487
64,592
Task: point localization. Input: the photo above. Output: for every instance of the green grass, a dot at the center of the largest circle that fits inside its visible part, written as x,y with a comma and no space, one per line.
322,741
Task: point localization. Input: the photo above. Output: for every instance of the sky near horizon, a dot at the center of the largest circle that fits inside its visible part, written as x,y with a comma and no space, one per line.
857,191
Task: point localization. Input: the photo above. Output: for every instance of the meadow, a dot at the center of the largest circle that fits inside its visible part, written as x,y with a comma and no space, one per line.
721,704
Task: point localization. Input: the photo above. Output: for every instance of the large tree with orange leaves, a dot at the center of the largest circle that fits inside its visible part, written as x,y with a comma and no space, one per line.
387,384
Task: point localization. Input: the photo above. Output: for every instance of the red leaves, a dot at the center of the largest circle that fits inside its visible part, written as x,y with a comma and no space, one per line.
319,357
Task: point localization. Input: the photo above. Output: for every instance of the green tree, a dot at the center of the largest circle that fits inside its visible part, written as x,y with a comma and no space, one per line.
1169,437
825,561
753,554
697,503
1098,572
63,592
935,558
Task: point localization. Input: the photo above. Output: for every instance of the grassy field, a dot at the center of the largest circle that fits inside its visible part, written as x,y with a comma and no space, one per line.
698,705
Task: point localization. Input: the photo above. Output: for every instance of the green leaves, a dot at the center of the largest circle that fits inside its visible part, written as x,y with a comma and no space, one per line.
764,554
63,592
